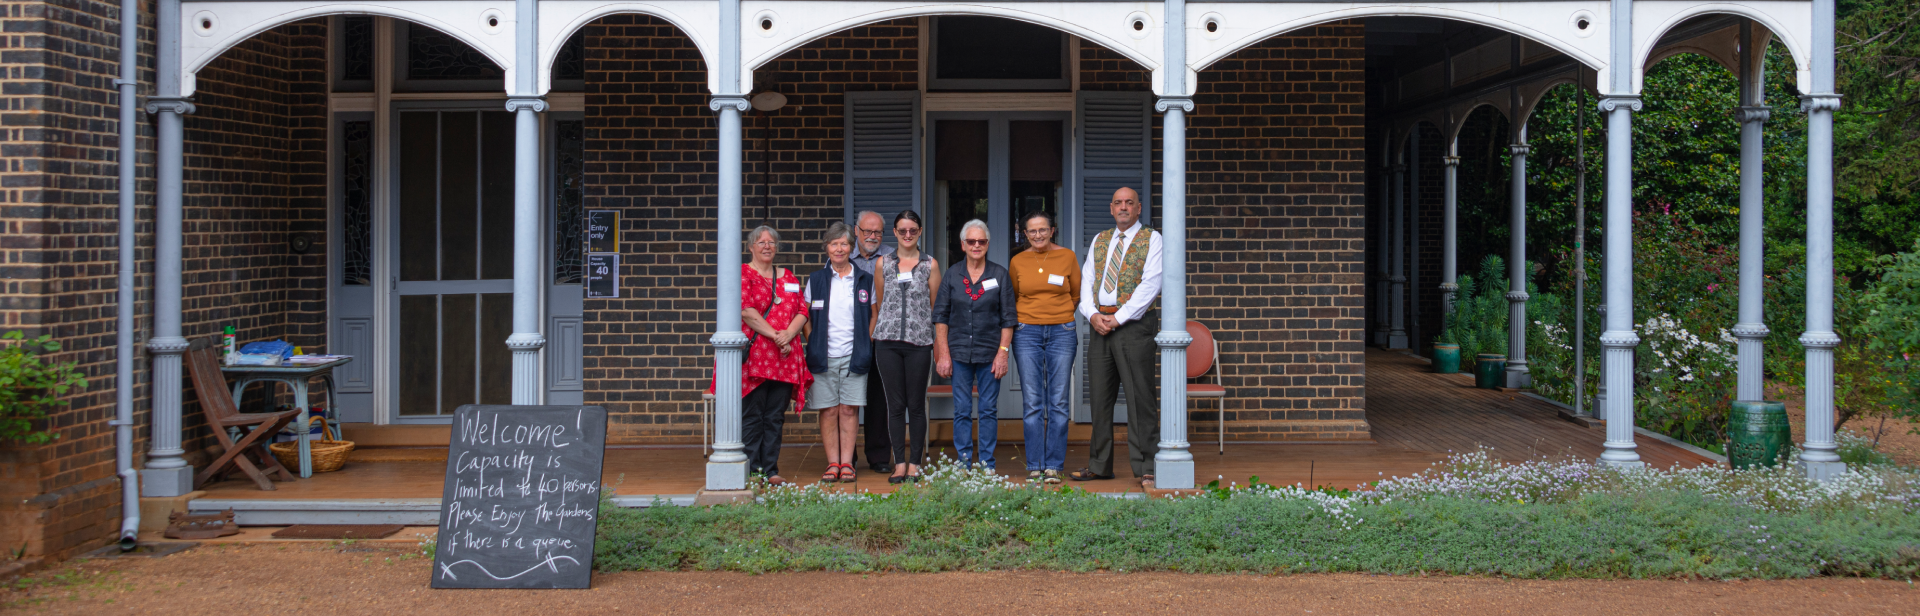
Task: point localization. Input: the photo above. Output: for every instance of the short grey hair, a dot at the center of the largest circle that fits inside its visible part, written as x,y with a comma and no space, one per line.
754,235
975,224
836,231
865,213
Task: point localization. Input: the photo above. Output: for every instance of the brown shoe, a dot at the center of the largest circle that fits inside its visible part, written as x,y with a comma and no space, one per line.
1086,474
776,480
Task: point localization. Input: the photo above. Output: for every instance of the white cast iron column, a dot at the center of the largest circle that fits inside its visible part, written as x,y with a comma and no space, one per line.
727,467
1618,340
525,105
1752,328
1449,229
166,473
1397,339
1173,465
1817,453
1517,375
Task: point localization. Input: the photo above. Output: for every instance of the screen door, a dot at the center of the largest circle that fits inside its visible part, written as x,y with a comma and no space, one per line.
454,211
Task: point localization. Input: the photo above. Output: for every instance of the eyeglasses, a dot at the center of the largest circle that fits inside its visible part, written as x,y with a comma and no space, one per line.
870,232
906,231
766,243
974,242
1040,232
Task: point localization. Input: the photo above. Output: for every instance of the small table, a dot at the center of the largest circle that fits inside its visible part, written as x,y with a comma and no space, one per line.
296,377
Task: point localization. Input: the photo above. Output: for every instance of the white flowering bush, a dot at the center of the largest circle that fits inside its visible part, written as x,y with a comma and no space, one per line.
1687,381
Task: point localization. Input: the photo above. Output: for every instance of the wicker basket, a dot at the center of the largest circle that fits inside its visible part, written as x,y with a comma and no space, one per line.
328,454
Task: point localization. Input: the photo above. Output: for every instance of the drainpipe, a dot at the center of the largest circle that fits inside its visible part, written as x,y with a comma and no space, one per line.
123,340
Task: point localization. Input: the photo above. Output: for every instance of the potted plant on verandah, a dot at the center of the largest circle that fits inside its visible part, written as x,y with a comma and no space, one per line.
1477,325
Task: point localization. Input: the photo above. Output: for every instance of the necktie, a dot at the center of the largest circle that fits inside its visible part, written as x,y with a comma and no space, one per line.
1112,282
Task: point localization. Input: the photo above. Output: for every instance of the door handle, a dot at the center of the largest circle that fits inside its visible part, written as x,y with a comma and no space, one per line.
396,283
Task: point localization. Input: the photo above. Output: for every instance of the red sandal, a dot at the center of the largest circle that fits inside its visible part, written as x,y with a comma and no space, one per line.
832,474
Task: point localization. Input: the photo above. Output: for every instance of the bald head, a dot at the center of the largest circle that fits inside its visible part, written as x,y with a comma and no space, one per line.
1126,208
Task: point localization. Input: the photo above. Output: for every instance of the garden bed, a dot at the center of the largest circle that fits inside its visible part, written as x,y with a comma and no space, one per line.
1471,515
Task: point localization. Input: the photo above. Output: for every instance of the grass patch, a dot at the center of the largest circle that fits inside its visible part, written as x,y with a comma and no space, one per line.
1472,515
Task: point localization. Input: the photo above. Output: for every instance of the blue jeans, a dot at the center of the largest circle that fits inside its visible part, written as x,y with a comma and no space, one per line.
966,378
1045,355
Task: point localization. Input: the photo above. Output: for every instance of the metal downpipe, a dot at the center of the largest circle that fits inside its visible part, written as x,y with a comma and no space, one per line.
128,84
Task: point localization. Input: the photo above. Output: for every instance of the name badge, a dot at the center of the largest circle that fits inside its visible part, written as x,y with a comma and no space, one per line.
819,304
1057,280
863,296
904,277
989,284
793,287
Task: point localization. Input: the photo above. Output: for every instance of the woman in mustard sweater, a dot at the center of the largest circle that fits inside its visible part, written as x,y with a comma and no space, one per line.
1046,281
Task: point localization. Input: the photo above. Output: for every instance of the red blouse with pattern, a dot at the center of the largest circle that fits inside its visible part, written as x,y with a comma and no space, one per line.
764,361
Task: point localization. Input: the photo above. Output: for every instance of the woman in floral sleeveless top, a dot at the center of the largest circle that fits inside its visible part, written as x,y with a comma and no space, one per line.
903,342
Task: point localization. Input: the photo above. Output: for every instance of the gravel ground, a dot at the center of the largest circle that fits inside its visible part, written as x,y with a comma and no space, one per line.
385,578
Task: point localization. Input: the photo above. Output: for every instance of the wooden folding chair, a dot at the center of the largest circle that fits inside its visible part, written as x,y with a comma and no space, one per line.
223,412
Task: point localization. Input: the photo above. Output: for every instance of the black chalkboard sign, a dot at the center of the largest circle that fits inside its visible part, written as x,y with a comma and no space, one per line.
603,230
603,276
522,499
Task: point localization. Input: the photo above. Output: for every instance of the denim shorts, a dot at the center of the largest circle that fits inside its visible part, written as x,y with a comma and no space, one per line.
836,387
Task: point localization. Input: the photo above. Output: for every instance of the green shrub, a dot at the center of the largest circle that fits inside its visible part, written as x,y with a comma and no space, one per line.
1471,518
1478,322
29,385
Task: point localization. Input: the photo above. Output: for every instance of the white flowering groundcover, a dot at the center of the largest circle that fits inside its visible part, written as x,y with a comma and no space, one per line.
1472,514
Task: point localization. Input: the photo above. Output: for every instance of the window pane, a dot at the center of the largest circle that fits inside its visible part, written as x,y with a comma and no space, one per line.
433,55
995,48
356,203
419,354
419,195
356,48
569,153
496,195
458,334
459,196
496,360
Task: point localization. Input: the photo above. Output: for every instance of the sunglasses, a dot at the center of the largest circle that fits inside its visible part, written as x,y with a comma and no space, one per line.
906,231
974,242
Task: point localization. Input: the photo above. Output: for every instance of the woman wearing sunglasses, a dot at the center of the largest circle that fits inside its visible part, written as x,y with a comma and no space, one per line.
902,332
973,319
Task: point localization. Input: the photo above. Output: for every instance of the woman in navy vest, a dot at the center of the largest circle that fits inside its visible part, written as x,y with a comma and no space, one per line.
839,350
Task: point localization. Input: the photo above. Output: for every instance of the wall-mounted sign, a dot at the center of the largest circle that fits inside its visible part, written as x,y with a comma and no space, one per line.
522,498
603,276
603,231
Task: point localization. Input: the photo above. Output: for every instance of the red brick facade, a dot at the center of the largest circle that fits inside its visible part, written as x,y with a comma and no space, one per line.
254,174
1277,221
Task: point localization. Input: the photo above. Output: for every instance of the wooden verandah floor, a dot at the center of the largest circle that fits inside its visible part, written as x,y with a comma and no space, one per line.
1417,418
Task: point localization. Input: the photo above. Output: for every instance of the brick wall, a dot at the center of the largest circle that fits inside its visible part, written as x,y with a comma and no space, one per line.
1276,169
252,175
1276,230
650,154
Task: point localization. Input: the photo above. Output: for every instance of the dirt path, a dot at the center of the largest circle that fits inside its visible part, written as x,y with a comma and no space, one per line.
330,578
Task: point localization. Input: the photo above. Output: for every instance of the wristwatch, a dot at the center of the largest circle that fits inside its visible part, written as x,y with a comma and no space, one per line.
1006,350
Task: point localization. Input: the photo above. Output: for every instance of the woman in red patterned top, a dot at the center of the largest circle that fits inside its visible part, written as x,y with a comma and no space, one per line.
773,312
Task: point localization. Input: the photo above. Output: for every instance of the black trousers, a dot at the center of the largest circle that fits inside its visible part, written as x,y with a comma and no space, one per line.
904,368
879,442
763,417
1126,356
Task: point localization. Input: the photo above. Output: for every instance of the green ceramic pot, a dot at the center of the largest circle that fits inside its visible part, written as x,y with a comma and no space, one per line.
1758,433
1446,358
1489,370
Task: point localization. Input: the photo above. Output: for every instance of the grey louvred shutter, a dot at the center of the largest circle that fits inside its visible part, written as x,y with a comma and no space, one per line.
1115,143
1116,149
882,153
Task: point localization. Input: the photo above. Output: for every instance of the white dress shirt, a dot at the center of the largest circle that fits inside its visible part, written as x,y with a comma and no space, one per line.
839,313
1092,294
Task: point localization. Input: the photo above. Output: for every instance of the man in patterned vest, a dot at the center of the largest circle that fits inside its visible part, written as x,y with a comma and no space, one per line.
1119,281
